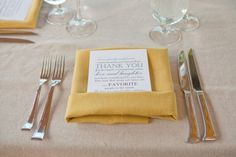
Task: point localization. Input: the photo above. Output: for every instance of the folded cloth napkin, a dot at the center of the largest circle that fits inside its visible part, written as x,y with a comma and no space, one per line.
29,22
123,107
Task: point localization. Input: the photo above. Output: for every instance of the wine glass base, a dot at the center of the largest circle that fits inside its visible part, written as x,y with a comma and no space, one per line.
60,16
169,37
81,27
189,23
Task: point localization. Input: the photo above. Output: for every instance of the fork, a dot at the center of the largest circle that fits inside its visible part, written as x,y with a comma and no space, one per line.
57,77
44,76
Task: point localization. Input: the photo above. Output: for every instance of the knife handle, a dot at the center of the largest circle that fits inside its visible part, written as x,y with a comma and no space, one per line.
194,134
209,131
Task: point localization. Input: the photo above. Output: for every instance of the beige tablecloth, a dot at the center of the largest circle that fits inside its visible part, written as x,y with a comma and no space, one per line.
126,24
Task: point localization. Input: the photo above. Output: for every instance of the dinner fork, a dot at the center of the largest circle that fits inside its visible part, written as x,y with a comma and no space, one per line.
44,76
57,77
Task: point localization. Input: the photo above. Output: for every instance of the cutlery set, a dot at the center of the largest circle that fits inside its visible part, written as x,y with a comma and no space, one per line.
14,32
195,97
56,78
189,82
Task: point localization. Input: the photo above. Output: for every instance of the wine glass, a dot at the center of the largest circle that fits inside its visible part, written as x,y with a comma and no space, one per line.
189,23
79,26
167,13
59,15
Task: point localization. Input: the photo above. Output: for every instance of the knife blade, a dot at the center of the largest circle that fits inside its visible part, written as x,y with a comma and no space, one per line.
209,133
16,32
194,133
15,40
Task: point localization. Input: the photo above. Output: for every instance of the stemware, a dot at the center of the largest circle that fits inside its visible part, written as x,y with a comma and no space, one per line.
59,15
189,23
79,26
167,13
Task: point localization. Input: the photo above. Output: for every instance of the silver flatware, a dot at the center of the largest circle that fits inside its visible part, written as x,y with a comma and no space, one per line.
15,40
44,77
194,134
16,32
209,133
57,77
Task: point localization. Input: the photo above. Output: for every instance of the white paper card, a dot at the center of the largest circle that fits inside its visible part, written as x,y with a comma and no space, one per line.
118,71
14,9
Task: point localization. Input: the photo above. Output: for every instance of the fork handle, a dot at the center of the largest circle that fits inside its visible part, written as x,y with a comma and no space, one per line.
40,132
29,124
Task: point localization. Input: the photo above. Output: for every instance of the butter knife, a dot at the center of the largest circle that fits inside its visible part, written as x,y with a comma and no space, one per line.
209,133
15,40
16,32
184,79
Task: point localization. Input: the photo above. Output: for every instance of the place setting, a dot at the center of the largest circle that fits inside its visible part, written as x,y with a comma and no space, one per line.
116,85
125,86
151,78
20,19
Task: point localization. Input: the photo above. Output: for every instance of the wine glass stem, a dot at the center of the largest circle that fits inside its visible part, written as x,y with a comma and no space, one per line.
59,10
186,16
164,28
78,14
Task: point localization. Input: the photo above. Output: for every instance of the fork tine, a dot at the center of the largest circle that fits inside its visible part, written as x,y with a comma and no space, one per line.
49,67
58,67
60,71
54,68
63,68
46,68
42,68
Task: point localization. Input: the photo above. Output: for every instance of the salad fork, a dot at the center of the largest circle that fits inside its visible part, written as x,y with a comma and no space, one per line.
57,77
44,76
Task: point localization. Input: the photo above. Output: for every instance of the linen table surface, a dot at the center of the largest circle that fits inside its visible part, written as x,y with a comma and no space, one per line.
121,23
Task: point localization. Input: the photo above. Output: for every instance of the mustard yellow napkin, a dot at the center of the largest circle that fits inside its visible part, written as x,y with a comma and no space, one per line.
29,22
123,107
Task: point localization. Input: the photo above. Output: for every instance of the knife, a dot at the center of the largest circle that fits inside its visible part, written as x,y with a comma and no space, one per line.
16,32
209,133
15,40
194,134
